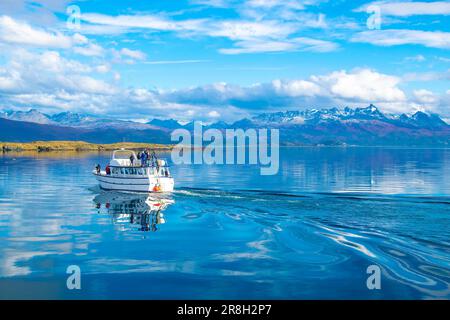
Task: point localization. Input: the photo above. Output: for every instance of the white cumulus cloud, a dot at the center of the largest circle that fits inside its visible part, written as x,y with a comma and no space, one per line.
135,54
17,32
407,9
394,37
362,85
425,96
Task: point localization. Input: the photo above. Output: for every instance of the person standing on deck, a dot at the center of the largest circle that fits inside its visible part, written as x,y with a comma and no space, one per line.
144,159
154,158
147,156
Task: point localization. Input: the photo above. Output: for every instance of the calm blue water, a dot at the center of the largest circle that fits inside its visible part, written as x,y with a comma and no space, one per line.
309,232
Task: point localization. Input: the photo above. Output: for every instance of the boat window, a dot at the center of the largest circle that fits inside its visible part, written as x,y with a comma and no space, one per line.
140,172
126,171
121,171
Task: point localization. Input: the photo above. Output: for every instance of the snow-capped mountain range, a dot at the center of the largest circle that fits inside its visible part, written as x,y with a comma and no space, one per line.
305,117
359,126
71,119
371,113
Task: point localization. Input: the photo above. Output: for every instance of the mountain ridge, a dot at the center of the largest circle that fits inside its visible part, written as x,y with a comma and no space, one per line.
333,126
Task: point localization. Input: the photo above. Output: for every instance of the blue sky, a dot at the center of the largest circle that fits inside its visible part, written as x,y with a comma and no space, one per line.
223,59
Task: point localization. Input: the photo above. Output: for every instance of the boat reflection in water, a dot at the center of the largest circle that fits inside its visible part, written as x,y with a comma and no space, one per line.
128,210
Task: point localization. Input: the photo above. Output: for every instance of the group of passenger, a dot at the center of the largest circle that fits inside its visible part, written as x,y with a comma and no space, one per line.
146,158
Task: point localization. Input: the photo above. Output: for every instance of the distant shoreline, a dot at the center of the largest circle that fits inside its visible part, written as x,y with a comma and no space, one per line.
82,146
47,146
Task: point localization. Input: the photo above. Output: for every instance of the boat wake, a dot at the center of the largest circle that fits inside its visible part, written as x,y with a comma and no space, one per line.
381,230
355,196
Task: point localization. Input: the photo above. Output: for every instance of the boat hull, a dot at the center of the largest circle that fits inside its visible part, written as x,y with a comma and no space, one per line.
138,184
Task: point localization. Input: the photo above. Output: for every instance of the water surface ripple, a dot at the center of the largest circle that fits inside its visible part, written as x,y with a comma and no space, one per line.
309,232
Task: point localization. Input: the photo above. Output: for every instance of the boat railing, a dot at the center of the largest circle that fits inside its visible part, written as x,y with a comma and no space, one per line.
142,165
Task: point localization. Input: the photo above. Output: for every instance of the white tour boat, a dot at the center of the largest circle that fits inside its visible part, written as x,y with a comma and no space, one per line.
125,172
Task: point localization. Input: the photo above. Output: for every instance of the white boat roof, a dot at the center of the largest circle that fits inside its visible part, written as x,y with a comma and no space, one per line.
130,152
121,160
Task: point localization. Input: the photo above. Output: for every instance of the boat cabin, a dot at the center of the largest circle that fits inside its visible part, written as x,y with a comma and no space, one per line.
125,163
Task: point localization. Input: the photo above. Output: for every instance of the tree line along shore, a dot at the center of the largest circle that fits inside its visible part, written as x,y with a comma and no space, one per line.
42,146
